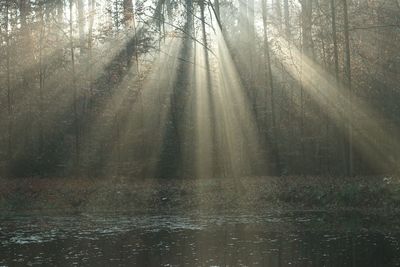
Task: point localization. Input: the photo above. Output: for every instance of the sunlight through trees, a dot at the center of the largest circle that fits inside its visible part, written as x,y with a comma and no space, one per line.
199,88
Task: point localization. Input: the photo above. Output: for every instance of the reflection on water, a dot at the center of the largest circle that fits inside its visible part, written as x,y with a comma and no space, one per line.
268,240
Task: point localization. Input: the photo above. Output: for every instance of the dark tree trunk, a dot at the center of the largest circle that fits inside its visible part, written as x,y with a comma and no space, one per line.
272,138
347,73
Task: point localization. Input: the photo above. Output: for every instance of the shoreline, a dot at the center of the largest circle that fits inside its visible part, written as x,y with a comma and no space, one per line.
377,195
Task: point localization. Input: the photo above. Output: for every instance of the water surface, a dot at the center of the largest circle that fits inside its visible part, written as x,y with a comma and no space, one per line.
295,239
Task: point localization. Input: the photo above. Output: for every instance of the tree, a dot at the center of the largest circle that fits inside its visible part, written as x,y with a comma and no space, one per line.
9,93
273,138
306,31
75,89
334,38
81,26
306,26
347,72
27,73
128,12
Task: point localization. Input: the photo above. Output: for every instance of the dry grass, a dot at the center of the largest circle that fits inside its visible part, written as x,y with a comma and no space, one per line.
253,194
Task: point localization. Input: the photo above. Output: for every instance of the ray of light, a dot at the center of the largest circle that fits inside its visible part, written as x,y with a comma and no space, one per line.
147,117
372,139
226,132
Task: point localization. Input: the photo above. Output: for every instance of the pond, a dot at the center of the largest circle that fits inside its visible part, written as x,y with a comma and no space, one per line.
276,239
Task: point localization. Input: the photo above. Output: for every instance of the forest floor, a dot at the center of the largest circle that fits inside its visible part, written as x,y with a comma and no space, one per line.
378,195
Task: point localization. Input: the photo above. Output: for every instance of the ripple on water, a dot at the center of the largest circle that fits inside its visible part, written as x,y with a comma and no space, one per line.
171,240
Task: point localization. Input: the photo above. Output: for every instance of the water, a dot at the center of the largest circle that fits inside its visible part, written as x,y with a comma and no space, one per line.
296,239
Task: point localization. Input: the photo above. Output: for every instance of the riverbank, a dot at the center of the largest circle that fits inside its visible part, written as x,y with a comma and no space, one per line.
379,195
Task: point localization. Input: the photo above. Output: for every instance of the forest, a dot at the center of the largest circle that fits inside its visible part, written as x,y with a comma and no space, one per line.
198,88
200,133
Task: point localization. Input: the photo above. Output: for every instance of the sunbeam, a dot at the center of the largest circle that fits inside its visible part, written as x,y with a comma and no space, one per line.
199,133
373,141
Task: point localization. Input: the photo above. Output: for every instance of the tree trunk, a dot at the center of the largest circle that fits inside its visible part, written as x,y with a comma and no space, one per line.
306,26
75,90
9,96
278,8
243,19
81,26
207,166
128,13
268,72
347,73
60,11
334,38
217,10
90,48
286,12
27,78
41,80
251,49
337,132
